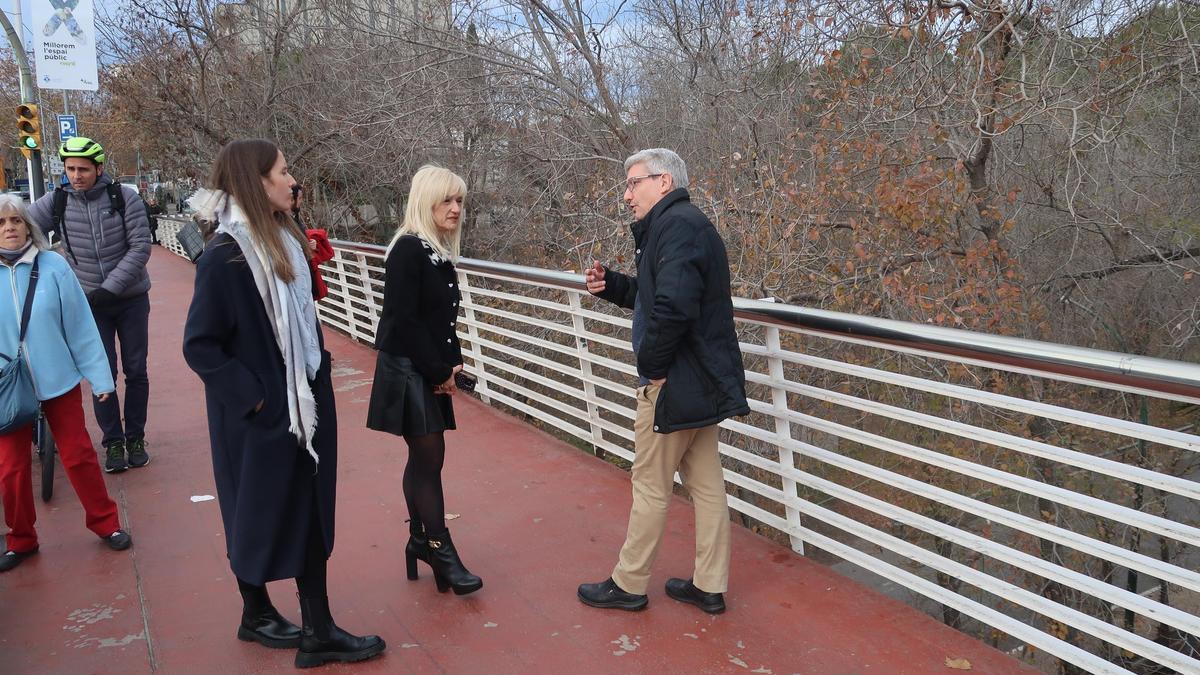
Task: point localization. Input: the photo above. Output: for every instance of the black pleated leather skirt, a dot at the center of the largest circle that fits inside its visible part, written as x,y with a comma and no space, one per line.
402,402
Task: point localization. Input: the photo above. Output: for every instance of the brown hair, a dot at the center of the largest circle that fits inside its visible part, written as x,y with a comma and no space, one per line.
238,171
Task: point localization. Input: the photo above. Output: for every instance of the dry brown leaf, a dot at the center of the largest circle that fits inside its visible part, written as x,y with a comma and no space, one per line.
452,516
958,664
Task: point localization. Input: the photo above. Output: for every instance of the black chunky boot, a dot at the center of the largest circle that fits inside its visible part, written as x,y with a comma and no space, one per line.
417,549
262,623
448,570
269,629
321,641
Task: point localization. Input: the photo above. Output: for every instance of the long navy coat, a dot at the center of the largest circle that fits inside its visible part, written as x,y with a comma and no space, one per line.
265,478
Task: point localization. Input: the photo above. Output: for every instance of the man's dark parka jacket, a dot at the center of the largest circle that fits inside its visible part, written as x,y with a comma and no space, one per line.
687,314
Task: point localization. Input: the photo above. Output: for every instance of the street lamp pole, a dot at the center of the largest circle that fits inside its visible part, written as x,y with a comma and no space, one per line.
37,182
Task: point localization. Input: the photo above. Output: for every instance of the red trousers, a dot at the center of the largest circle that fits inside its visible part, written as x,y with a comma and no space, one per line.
78,456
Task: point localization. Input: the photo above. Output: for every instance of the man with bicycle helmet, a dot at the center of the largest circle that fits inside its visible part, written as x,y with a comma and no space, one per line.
105,236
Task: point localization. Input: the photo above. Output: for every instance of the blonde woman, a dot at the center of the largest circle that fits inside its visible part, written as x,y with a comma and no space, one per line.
419,356
252,336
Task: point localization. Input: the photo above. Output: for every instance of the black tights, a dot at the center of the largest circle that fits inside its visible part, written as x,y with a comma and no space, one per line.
311,584
423,481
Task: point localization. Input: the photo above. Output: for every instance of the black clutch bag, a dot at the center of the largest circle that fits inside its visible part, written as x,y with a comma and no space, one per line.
464,381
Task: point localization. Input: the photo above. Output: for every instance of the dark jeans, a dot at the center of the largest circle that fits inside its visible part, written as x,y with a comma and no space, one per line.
126,320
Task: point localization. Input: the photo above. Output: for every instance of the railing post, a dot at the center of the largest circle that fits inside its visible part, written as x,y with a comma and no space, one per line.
339,267
167,229
364,278
481,384
585,372
783,430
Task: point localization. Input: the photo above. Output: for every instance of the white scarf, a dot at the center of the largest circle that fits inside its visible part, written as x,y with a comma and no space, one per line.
289,306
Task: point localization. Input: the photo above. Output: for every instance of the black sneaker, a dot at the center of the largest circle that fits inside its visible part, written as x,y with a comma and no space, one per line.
11,559
608,595
119,540
115,462
138,457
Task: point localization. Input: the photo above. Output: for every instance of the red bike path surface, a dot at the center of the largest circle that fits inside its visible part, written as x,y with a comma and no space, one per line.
537,518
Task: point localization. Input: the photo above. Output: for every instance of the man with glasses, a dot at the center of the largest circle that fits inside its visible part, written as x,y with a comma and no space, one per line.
690,378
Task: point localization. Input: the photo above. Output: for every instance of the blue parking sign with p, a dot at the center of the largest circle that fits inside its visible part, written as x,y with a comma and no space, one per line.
67,128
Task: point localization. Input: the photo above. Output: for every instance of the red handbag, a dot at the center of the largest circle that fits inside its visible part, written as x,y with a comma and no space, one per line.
321,251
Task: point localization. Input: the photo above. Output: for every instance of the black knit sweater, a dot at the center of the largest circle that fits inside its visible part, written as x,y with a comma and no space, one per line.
420,309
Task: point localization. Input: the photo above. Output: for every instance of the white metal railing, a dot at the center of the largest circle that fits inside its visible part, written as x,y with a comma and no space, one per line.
921,480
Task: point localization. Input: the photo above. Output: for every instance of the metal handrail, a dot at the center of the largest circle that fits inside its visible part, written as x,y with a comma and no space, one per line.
1140,374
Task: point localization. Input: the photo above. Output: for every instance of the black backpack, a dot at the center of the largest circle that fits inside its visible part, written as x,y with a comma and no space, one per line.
116,199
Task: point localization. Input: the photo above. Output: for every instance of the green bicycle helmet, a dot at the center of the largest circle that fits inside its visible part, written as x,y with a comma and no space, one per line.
79,146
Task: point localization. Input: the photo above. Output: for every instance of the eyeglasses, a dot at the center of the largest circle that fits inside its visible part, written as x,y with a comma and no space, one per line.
632,181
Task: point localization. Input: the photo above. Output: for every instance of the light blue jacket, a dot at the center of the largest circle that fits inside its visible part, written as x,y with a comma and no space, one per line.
62,342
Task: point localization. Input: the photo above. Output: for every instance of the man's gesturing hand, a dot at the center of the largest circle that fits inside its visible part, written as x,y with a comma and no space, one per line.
594,276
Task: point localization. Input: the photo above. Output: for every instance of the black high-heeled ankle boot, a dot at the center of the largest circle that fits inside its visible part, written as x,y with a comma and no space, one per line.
416,549
321,641
448,569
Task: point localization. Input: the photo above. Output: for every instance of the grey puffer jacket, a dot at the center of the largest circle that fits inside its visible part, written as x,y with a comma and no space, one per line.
107,254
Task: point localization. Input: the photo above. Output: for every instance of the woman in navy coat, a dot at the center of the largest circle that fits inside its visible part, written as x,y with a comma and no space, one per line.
253,338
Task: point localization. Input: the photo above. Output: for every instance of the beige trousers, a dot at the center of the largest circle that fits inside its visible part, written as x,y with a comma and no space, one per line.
693,453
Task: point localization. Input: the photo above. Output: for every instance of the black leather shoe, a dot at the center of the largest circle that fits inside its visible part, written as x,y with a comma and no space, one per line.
119,540
11,559
270,629
608,595
684,590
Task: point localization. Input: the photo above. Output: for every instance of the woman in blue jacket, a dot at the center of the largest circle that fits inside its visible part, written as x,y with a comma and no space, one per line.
63,348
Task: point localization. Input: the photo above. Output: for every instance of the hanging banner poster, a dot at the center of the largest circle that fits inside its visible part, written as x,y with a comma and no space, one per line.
64,44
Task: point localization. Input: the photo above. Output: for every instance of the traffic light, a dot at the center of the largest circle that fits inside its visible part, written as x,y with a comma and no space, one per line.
29,126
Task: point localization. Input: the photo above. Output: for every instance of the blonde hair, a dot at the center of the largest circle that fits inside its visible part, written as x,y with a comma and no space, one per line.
430,185
13,202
